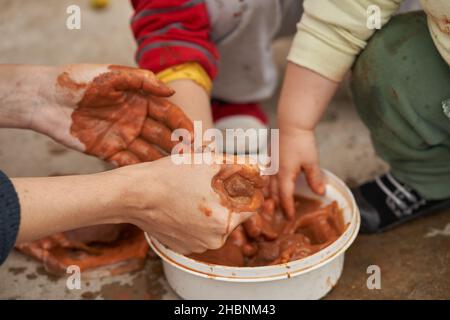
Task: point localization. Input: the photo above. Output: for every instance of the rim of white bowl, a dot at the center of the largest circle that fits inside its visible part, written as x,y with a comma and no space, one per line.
273,272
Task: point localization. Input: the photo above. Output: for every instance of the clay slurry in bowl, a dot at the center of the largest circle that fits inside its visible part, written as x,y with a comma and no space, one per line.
269,238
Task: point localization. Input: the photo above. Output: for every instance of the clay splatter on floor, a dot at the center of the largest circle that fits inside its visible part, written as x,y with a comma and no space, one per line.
17,270
145,286
42,272
32,276
89,295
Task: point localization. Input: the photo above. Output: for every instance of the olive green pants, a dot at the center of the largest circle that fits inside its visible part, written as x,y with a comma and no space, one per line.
401,87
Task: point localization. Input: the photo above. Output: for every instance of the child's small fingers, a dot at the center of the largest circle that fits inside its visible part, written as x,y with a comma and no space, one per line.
314,178
274,190
287,186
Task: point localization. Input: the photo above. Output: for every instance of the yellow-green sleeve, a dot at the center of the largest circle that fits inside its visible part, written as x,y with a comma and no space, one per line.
332,32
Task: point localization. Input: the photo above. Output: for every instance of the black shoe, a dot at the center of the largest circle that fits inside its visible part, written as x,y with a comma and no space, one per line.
386,202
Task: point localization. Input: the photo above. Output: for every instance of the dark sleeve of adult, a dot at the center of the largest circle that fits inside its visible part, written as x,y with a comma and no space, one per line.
9,216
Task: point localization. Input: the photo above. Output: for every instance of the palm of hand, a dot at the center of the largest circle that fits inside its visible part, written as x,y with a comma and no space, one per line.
123,118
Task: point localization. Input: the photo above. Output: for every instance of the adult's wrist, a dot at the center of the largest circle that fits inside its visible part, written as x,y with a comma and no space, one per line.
127,195
43,117
24,90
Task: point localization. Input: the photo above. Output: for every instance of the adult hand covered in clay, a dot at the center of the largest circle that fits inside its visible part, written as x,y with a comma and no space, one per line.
116,113
214,200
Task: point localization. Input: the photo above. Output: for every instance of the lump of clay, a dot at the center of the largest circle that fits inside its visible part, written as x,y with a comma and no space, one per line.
115,250
240,187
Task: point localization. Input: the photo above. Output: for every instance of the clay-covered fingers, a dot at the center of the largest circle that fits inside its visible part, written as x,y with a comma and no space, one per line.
138,151
152,85
286,182
123,158
144,151
272,190
314,178
170,115
139,80
253,226
239,238
158,134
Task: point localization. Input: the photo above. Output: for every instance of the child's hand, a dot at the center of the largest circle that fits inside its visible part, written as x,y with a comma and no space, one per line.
304,97
298,153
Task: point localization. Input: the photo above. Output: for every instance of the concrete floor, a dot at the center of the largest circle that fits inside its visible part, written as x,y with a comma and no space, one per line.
414,259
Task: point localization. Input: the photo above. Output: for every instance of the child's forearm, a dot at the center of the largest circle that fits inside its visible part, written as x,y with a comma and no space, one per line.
304,98
193,100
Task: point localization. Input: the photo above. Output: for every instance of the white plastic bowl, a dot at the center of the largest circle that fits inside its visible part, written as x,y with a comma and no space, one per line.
309,278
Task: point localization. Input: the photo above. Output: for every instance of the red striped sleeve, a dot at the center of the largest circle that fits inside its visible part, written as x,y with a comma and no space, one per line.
172,32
